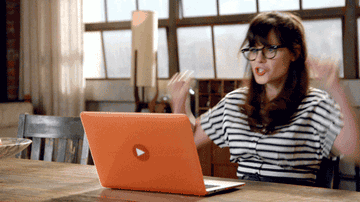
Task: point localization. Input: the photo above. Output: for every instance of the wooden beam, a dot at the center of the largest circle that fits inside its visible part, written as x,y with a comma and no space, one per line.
215,20
321,13
172,37
350,44
124,25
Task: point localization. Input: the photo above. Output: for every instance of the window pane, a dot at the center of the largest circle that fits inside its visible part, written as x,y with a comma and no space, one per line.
93,56
228,39
160,6
199,8
118,53
93,11
120,10
163,56
324,38
311,4
279,5
230,7
195,51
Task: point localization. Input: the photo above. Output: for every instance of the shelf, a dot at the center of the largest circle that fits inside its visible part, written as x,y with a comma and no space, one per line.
208,93
211,91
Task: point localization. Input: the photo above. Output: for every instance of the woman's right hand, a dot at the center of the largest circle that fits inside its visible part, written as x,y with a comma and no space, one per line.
325,72
178,87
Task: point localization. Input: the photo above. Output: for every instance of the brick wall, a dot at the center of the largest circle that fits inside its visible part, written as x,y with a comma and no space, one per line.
13,48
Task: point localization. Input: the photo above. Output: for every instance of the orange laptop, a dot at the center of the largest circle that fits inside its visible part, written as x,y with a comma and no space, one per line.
147,152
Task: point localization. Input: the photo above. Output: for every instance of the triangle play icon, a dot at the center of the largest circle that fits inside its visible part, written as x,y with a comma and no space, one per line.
139,152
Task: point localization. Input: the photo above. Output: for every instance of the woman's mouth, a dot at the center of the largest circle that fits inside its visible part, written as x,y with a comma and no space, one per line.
259,71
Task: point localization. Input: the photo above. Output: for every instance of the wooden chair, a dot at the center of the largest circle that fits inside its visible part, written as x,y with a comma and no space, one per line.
351,178
60,139
328,175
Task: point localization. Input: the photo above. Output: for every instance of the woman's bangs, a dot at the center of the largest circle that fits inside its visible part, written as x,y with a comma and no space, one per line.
258,34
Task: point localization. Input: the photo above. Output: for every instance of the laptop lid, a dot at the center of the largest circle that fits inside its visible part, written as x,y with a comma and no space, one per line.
144,151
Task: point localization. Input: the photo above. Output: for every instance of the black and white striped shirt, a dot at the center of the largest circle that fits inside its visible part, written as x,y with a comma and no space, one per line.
294,150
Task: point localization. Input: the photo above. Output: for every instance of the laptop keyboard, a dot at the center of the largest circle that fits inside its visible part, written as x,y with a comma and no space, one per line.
207,186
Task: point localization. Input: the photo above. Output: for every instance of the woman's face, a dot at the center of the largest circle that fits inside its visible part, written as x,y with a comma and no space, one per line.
272,71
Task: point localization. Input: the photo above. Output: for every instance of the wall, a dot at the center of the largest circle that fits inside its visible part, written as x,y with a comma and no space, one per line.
116,95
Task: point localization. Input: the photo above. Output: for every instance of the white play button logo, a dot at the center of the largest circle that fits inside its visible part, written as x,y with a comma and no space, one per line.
139,152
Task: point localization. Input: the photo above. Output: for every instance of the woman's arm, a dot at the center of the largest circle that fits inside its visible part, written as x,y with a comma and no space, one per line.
178,87
200,137
347,142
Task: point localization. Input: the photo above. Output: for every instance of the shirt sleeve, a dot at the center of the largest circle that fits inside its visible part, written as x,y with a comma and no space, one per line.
212,124
332,123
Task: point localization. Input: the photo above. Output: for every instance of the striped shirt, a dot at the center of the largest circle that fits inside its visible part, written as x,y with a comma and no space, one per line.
294,150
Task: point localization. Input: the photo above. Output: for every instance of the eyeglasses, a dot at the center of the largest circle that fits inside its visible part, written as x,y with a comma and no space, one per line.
268,52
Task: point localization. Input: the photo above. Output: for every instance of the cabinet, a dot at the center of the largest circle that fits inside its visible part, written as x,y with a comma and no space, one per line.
208,93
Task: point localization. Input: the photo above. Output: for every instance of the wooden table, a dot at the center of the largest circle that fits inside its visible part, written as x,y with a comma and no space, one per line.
30,180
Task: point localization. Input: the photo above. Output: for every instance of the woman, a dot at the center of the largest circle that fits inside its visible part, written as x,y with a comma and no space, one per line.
278,128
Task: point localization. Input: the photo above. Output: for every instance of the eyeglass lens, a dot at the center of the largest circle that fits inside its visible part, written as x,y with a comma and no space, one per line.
268,52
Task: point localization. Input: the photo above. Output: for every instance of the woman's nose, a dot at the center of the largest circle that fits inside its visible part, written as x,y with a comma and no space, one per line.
260,57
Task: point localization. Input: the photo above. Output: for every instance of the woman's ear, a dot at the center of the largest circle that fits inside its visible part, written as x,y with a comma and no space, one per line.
296,53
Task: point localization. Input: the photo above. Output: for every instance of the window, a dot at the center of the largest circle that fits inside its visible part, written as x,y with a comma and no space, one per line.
93,11
228,39
120,10
209,34
107,53
311,4
93,56
198,8
161,6
324,39
118,53
279,5
163,59
195,51
230,7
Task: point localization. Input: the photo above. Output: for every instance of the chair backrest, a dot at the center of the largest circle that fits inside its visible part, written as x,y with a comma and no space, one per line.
55,138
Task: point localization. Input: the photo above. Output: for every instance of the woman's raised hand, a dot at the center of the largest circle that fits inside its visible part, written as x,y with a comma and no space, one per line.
178,88
326,74
325,71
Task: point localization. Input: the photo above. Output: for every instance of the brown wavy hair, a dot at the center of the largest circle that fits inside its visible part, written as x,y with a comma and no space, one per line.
265,116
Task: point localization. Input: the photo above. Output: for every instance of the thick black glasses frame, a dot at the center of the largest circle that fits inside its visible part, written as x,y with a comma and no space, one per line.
246,51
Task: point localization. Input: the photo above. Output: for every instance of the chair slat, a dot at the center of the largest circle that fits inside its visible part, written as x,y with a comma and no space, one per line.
77,148
85,151
70,154
49,147
21,128
61,150
35,148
